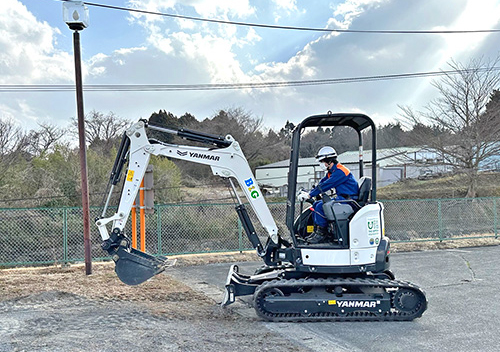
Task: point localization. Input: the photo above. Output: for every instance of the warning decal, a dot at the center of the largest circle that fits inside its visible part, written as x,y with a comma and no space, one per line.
130,175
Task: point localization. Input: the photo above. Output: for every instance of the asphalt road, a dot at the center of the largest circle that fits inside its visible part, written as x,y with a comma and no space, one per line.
462,287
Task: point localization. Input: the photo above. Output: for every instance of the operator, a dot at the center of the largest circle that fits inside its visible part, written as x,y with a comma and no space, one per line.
339,177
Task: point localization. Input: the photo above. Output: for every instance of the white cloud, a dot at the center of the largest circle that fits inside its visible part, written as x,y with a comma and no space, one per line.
286,8
297,68
9,112
350,9
240,8
288,5
28,55
214,54
208,47
251,38
27,52
187,52
473,17
212,8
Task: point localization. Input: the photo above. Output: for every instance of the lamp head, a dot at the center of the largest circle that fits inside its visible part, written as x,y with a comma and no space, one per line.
76,15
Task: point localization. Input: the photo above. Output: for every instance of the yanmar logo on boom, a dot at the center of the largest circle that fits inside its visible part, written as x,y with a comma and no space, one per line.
204,156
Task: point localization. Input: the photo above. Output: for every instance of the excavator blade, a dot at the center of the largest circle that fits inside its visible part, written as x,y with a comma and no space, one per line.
133,267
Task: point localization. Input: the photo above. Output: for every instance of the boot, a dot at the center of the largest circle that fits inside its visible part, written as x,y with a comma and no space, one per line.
318,236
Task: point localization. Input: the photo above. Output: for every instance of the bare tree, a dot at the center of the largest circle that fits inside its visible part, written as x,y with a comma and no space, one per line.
13,140
242,125
101,129
464,125
44,139
251,135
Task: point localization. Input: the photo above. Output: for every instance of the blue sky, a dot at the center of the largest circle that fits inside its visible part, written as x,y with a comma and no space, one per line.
120,47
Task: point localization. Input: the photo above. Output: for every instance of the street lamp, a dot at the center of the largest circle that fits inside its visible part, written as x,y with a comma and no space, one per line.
76,16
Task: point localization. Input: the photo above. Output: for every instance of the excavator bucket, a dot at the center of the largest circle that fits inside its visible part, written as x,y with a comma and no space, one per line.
133,267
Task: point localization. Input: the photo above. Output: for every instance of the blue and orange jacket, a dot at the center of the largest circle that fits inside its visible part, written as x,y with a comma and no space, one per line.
340,178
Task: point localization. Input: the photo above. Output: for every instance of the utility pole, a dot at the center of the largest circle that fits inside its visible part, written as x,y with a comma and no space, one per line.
76,16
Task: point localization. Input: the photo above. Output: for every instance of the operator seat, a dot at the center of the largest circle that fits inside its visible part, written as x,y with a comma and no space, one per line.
339,213
365,187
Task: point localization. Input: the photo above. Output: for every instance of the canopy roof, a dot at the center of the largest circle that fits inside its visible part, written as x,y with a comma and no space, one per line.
357,121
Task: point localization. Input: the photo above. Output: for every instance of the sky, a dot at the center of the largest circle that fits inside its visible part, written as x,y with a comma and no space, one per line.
122,47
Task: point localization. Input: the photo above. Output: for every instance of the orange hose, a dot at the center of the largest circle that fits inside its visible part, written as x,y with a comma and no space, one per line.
142,217
133,215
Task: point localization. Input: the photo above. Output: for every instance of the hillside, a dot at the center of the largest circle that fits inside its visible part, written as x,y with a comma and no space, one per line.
444,187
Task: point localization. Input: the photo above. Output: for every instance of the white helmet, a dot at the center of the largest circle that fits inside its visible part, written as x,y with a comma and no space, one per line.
326,153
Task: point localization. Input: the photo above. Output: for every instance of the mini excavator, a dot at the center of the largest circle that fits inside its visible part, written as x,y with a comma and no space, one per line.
346,278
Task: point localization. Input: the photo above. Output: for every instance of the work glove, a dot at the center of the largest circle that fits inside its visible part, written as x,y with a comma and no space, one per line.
303,196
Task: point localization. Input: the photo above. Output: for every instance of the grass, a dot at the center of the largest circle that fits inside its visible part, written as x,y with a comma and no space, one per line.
443,187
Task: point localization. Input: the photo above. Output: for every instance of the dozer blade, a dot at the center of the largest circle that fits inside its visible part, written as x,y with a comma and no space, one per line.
237,285
133,267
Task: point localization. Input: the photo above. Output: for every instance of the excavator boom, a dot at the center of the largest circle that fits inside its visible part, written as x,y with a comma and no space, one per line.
226,160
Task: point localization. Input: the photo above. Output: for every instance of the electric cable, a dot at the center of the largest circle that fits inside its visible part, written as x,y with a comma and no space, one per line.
36,88
247,24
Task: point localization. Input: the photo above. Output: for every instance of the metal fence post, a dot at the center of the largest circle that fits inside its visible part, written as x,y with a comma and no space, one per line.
158,228
65,236
495,217
440,220
240,235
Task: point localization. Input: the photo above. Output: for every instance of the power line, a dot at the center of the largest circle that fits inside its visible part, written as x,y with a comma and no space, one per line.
36,88
329,30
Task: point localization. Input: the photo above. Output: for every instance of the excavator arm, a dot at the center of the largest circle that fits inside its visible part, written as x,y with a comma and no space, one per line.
225,158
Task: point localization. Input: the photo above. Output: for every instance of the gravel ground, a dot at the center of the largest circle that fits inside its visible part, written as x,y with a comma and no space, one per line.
62,309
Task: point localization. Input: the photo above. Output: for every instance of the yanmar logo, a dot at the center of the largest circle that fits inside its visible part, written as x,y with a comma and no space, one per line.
204,156
355,304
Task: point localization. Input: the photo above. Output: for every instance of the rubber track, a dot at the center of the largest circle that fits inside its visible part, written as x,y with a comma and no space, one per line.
333,316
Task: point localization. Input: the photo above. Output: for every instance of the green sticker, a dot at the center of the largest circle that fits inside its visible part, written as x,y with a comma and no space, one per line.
373,225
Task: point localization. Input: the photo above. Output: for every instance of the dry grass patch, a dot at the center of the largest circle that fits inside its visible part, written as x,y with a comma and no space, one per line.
449,244
163,295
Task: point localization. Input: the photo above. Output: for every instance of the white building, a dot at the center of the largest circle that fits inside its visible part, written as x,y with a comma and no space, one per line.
393,164
275,175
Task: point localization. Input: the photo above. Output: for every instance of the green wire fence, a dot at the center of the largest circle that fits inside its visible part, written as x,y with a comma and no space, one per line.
32,236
